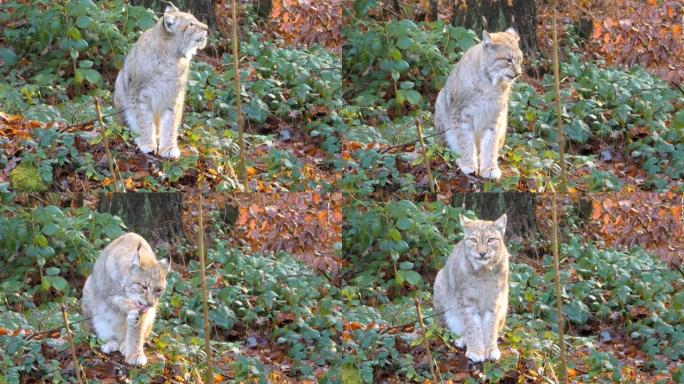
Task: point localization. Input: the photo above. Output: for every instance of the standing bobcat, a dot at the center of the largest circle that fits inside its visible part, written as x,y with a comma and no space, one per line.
122,294
471,110
472,288
151,86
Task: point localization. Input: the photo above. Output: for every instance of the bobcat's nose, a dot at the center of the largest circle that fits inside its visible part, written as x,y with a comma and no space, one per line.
482,254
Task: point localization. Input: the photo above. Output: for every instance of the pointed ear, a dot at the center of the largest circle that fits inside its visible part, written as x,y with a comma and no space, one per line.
170,7
136,257
513,32
466,221
168,21
165,264
486,39
500,223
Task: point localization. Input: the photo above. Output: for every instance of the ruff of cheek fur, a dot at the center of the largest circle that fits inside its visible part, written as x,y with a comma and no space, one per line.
465,293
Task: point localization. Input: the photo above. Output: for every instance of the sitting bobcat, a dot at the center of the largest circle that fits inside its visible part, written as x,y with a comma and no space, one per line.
122,295
151,86
472,288
471,110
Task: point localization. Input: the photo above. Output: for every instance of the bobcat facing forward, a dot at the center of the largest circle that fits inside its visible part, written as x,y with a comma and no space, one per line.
122,295
151,86
472,288
471,110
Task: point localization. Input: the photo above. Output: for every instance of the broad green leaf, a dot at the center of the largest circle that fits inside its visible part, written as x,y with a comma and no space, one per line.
50,229
404,43
83,21
8,56
404,223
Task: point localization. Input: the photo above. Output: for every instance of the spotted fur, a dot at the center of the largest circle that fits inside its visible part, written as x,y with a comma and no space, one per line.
122,295
472,288
151,85
471,110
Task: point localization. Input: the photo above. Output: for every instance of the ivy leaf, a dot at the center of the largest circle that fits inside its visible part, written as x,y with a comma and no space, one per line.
404,223
50,229
413,277
8,56
83,21
404,43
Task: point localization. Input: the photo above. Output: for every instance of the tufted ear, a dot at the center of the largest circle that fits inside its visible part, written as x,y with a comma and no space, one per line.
486,39
165,264
466,221
513,32
500,223
170,7
136,257
168,19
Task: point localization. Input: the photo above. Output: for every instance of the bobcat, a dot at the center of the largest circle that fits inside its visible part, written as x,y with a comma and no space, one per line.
122,294
472,288
151,86
471,110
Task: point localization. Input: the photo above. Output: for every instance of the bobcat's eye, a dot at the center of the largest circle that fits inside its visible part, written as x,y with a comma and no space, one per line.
491,239
510,60
473,239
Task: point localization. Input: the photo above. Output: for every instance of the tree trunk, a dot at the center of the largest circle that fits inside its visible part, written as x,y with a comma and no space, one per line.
434,10
263,9
519,207
499,15
154,216
204,11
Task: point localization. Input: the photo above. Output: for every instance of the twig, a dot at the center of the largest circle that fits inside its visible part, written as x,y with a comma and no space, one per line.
433,365
105,140
77,365
559,299
586,11
559,117
410,143
49,331
68,127
401,326
238,105
431,181
205,294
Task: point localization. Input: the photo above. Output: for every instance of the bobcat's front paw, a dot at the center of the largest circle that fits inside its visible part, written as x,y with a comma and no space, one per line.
494,354
466,167
137,358
145,147
110,346
460,343
133,317
170,152
475,357
492,173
